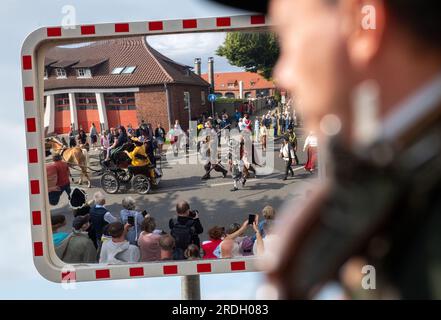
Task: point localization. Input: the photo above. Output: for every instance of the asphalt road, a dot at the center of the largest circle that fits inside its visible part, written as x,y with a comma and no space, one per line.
217,204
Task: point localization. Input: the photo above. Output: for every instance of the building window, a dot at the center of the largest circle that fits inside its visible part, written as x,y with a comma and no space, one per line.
218,94
62,102
86,101
247,95
117,70
230,95
60,73
186,100
84,73
203,99
230,84
129,70
120,101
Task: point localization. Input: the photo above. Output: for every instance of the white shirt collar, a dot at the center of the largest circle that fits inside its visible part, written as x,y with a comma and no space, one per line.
412,109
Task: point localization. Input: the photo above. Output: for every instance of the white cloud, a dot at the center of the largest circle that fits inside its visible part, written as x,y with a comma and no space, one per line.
197,43
184,48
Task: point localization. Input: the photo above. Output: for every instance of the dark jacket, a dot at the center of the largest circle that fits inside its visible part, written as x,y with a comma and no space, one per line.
98,222
195,226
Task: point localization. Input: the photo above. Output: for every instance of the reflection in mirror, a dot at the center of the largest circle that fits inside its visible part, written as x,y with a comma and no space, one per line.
161,147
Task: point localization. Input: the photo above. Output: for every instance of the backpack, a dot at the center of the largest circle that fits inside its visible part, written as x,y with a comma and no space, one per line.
183,234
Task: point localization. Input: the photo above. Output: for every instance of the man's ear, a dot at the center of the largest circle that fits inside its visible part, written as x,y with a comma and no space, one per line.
364,26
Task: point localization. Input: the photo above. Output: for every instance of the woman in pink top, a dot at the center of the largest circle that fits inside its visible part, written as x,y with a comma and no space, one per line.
216,234
148,242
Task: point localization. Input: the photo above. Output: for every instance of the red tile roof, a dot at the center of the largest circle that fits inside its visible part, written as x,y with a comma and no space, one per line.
152,68
251,81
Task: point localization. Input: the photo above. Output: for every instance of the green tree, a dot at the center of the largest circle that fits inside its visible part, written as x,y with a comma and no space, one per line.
255,52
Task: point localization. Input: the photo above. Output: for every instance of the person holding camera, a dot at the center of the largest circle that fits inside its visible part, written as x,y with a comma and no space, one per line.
134,218
185,229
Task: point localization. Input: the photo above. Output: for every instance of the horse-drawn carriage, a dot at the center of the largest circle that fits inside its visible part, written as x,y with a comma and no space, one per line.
117,172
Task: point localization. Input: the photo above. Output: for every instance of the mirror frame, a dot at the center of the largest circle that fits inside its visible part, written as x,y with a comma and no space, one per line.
32,61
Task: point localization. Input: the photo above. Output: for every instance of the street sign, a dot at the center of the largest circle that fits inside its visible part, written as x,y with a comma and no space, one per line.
212,97
32,56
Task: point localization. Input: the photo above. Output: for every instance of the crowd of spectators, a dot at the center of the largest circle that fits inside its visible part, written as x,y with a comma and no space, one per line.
99,236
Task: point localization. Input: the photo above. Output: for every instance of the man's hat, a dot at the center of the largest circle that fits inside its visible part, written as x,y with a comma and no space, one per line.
250,5
78,198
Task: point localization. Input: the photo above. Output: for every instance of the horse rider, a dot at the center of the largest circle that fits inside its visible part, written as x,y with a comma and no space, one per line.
140,162
209,151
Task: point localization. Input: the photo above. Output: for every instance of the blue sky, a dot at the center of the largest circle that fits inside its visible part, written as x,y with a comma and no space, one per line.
18,277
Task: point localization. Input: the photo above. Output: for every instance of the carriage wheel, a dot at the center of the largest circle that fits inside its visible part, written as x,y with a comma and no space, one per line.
141,184
109,183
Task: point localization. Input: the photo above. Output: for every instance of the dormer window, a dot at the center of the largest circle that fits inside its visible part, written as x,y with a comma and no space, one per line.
60,73
84,73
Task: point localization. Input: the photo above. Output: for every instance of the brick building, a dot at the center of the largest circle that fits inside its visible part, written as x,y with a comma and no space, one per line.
118,82
228,85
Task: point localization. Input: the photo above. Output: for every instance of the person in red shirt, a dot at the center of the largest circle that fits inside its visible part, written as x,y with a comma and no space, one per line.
60,170
216,234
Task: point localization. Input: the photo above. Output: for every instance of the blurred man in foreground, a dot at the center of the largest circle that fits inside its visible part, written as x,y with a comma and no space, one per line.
368,76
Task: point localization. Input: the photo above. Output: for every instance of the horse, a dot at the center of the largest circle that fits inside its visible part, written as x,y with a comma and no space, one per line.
75,156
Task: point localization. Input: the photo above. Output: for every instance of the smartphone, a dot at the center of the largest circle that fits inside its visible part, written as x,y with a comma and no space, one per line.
251,218
131,220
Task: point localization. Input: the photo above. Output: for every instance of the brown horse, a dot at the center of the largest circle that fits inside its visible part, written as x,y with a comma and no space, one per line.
75,157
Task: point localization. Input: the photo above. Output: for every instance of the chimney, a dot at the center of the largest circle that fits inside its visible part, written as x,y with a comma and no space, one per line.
211,73
197,66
